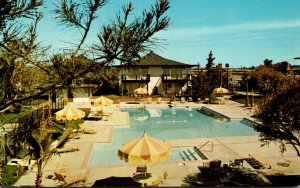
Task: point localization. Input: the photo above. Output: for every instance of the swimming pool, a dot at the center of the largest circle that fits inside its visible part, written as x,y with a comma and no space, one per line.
166,123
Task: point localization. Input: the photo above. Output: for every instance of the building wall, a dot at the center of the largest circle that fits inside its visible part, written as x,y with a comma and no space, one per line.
155,86
155,80
79,94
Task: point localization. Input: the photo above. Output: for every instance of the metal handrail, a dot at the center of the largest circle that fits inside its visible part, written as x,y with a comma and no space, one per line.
212,145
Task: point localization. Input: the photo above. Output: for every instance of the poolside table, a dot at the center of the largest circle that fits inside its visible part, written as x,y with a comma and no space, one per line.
149,179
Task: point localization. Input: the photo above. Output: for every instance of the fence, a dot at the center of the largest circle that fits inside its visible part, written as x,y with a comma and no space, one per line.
31,121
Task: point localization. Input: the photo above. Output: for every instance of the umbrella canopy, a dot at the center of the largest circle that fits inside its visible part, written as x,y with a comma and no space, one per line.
69,114
144,149
140,91
103,101
220,90
116,182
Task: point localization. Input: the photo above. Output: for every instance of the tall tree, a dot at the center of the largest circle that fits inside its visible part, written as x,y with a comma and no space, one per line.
210,60
206,81
268,63
227,75
280,119
124,39
282,67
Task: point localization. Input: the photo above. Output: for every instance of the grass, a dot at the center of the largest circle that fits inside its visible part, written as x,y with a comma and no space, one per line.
13,117
242,99
10,175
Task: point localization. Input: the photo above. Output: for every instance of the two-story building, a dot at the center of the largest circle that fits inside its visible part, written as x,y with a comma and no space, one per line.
156,74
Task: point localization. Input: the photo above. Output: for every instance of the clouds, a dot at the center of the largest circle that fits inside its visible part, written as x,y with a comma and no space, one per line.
206,31
242,44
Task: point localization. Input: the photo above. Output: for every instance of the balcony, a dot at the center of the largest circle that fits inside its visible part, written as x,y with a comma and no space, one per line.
176,77
136,78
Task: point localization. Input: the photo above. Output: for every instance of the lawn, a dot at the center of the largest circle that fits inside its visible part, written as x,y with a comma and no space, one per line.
242,99
14,116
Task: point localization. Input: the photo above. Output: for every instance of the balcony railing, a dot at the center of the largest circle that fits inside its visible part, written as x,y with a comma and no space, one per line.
137,77
173,77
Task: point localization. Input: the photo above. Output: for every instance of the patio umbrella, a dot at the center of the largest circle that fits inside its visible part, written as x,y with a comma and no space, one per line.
140,91
103,101
220,90
144,149
69,114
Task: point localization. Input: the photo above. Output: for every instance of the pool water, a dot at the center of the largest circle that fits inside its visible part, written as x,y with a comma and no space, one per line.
166,123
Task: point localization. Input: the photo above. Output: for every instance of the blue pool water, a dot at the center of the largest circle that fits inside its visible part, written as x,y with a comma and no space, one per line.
166,123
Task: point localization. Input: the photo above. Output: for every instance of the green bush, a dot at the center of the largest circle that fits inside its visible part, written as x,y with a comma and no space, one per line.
10,175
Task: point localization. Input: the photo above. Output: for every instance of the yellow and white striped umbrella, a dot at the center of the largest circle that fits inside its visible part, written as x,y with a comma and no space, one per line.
69,114
140,91
144,149
103,101
220,90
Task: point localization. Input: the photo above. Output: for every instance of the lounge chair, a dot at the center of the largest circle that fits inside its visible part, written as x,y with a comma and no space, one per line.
211,163
190,99
215,164
258,161
206,100
182,100
161,179
67,149
149,100
159,100
86,131
102,115
26,163
236,163
70,180
62,169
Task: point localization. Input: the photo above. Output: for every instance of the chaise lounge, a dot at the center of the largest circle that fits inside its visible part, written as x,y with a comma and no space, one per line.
70,180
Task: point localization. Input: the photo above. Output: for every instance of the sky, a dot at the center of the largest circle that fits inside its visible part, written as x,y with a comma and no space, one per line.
242,33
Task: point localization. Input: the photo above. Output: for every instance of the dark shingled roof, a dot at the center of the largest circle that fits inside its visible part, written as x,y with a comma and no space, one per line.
153,59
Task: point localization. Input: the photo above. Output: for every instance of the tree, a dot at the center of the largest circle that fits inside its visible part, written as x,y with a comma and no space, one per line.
206,81
266,80
280,119
282,67
18,46
210,60
40,140
268,63
107,80
124,39
227,70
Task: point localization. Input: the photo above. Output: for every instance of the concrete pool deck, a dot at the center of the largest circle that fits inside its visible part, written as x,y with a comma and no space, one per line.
224,148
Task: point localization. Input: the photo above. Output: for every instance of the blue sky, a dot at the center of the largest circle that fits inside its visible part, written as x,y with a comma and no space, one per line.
239,32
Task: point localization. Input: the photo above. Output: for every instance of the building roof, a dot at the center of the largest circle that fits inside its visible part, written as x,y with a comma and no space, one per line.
153,59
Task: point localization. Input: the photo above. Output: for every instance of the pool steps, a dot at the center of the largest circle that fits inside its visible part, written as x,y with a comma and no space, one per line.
209,111
188,155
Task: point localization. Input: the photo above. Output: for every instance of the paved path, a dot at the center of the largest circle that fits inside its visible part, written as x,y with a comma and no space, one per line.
232,109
